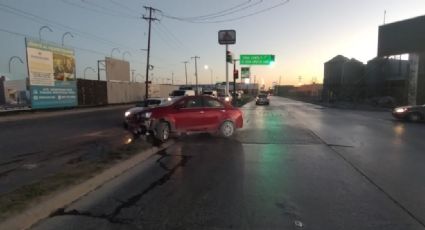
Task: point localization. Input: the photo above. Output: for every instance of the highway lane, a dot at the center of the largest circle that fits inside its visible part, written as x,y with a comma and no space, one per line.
293,166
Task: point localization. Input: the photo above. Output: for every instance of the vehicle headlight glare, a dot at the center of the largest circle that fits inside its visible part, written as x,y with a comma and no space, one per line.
400,110
126,114
148,114
227,98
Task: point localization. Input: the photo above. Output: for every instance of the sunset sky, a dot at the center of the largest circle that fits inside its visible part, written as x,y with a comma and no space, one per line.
303,34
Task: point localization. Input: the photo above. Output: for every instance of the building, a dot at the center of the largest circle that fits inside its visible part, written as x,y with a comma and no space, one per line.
387,77
407,37
332,77
343,79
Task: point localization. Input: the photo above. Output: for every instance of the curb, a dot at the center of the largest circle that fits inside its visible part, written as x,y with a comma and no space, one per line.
49,205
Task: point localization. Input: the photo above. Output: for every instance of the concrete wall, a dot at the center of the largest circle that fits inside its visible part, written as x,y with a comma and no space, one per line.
125,92
162,91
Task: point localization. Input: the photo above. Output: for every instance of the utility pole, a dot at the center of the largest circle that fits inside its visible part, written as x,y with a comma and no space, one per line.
196,73
149,19
185,69
280,79
234,78
132,75
172,78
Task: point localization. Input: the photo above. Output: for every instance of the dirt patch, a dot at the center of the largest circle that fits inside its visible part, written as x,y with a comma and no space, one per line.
74,172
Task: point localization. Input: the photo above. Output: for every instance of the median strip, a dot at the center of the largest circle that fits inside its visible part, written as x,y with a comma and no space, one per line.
26,206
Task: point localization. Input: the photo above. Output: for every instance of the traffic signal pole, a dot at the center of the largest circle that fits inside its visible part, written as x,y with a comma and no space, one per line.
235,76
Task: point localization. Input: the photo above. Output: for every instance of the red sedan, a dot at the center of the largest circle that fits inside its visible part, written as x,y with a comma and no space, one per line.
187,114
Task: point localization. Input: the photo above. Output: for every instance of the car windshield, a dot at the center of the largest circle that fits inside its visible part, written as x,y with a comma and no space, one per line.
212,114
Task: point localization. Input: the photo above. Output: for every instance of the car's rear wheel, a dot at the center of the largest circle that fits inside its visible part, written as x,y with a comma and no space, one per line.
414,117
162,132
227,129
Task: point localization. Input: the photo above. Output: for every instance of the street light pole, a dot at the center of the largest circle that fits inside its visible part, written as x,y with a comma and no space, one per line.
11,59
88,68
41,28
185,69
126,52
196,73
117,49
63,37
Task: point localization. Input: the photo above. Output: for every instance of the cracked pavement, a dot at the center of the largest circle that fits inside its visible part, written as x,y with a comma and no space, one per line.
293,166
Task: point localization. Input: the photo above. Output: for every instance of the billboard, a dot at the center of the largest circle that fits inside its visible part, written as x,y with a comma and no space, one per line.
117,70
51,71
402,37
227,37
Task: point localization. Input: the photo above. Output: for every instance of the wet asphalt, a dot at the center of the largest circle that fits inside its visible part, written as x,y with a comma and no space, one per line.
293,166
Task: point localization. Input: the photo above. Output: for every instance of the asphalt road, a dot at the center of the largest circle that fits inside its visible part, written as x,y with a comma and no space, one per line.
33,146
293,166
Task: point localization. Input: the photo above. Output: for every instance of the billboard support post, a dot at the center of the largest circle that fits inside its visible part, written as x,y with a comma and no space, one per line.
227,71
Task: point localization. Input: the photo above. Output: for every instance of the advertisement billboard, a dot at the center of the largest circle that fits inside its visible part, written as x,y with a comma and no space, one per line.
51,70
117,70
402,37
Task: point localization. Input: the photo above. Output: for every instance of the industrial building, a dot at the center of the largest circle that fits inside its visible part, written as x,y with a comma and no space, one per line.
387,75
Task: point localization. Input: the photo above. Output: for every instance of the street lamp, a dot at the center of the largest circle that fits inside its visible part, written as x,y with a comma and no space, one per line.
126,52
88,68
63,37
117,49
11,59
41,28
211,71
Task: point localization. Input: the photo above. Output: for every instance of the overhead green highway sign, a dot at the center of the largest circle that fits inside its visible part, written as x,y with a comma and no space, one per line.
256,59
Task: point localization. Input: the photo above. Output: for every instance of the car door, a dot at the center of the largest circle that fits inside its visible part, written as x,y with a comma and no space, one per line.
189,115
214,112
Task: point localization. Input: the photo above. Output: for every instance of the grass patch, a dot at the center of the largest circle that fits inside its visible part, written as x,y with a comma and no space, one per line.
71,174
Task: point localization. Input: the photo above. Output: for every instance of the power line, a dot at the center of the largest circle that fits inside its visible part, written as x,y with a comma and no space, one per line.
97,8
171,34
124,6
231,19
211,14
74,47
232,11
41,20
166,41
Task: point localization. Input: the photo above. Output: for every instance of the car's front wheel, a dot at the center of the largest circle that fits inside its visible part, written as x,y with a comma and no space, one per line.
227,129
162,132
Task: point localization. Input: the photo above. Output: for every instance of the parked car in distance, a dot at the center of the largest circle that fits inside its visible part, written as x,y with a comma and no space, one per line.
411,113
182,93
212,93
185,115
141,105
224,97
262,99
